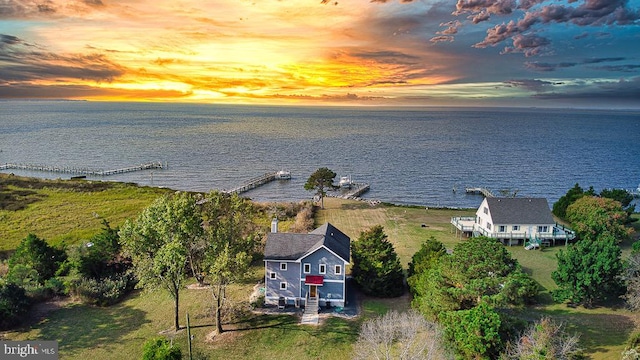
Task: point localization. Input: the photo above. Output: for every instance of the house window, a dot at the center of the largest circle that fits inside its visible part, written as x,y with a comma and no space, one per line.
283,286
543,229
516,228
307,268
283,266
338,270
489,225
486,210
272,275
502,228
323,268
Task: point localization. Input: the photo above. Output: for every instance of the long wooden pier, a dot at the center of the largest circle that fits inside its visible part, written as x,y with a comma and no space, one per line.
479,190
254,183
82,171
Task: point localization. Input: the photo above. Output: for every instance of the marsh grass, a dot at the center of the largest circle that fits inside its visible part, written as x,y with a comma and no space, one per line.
65,211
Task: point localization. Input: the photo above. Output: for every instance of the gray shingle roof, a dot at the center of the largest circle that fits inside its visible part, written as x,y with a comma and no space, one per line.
288,246
520,211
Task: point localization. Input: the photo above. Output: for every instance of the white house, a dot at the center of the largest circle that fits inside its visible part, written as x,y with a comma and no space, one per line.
514,221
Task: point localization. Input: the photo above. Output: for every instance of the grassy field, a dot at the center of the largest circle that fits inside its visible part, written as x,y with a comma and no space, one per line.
65,211
119,331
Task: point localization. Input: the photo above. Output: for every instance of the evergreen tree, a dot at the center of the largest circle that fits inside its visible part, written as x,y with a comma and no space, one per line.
320,181
376,266
588,271
35,254
560,206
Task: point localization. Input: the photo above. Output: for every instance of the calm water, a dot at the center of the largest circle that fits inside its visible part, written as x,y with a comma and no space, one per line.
409,156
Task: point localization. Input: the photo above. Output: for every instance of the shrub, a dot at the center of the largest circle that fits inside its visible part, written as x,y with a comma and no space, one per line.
160,349
103,292
13,304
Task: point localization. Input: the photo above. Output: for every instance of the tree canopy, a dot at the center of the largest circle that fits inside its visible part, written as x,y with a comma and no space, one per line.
588,271
376,266
231,237
592,217
36,257
158,240
320,181
479,270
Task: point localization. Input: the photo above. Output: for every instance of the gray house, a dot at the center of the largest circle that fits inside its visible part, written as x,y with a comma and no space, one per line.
302,267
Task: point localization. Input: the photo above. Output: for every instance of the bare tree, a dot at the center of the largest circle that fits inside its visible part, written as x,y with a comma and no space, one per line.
545,339
632,279
396,335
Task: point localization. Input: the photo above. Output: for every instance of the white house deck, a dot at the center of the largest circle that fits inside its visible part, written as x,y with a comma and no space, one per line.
466,225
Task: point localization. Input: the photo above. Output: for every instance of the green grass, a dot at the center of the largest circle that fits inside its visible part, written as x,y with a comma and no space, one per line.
64,211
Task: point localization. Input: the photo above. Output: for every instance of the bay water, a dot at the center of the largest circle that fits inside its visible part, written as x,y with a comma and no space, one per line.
411,156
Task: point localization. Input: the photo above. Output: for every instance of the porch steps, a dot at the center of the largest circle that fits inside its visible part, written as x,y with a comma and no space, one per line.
310,315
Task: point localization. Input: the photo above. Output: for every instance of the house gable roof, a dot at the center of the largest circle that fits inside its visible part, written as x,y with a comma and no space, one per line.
288,246
519,211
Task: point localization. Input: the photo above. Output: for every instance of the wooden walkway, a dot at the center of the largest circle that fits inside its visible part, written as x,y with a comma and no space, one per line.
479,190
354,192
82,171
254,183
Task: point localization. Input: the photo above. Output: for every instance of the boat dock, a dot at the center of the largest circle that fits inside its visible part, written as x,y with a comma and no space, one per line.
353,192
255,182
479,190
82,171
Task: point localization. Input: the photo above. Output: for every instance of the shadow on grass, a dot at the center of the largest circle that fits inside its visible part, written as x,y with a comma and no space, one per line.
77,327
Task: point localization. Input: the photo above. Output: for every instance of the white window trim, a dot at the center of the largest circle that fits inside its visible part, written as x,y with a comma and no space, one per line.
515,228
283,266
272,276
283,286
304,268
338,269
322,266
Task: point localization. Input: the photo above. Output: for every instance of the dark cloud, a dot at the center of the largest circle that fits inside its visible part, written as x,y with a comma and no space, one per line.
623,91
540,66
530,84
631,68
25,63
30,91
529,44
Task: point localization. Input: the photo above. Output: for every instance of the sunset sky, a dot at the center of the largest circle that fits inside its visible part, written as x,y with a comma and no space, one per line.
557,53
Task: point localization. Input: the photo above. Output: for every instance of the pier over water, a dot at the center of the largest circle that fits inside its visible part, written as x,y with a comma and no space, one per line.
82,171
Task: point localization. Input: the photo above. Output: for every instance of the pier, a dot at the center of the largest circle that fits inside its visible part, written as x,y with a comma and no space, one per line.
254,183
354,192
479,190
82,171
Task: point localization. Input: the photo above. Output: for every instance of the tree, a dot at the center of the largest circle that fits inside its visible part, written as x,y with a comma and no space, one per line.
231,239
97,258
474,333
479,270
588,271
319,181
544,340
399,336
576,192
632,279
621,195
376,266
34,253
157,242
426,257
592,217
14,303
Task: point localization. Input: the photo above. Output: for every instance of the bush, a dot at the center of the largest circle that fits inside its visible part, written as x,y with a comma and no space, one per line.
103,292
13,304
160,349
